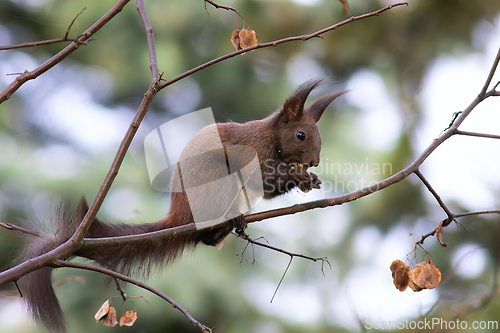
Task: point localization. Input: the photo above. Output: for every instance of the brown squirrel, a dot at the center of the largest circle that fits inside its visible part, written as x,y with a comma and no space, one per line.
287,143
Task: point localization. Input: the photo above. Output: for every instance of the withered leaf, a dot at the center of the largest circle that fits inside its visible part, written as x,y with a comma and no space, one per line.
103,311
235,39
128,318
110,319
424,276
439,234
400,274
247,38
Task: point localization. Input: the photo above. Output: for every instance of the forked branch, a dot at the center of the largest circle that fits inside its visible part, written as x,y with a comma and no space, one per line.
50,41
153,64
290,254
30,75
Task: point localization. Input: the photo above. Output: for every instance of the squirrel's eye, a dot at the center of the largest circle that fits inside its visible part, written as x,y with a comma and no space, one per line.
301,136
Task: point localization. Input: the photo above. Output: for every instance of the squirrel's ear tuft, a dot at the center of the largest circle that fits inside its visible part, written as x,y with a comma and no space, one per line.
293,109
317,108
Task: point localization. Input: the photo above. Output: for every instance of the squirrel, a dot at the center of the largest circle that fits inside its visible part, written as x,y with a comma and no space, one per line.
286,143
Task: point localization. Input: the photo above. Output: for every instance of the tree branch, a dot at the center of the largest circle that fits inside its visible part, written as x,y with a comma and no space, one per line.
60,263
277,42
434,193
291,254
151,40
221,6
27,75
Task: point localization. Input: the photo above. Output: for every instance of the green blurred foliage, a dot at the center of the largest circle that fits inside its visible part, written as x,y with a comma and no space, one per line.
399,46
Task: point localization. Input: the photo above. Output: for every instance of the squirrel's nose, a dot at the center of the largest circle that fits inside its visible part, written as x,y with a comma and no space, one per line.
314,163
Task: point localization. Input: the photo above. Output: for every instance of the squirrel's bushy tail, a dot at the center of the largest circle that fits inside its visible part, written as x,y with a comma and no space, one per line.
42,301
139,256
36,287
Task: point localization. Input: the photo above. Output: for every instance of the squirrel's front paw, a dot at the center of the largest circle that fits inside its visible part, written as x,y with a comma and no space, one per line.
312,182
306,180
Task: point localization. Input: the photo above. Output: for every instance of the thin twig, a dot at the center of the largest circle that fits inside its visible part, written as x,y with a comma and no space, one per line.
151,40
490,75
18,289
50,41
120,289
11,226
481,212
424,237
243,253
482,95
61,263
216,5
291,254
480,135
47,42
73,22
455,216
434,193
282,278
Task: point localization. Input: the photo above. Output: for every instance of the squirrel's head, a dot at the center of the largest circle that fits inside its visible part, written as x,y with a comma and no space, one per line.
297,135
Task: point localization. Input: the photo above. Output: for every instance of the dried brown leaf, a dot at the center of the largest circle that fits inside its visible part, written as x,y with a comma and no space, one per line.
439,234
400,274
424,276
235,39
103,311
128,318
110,319
247,38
